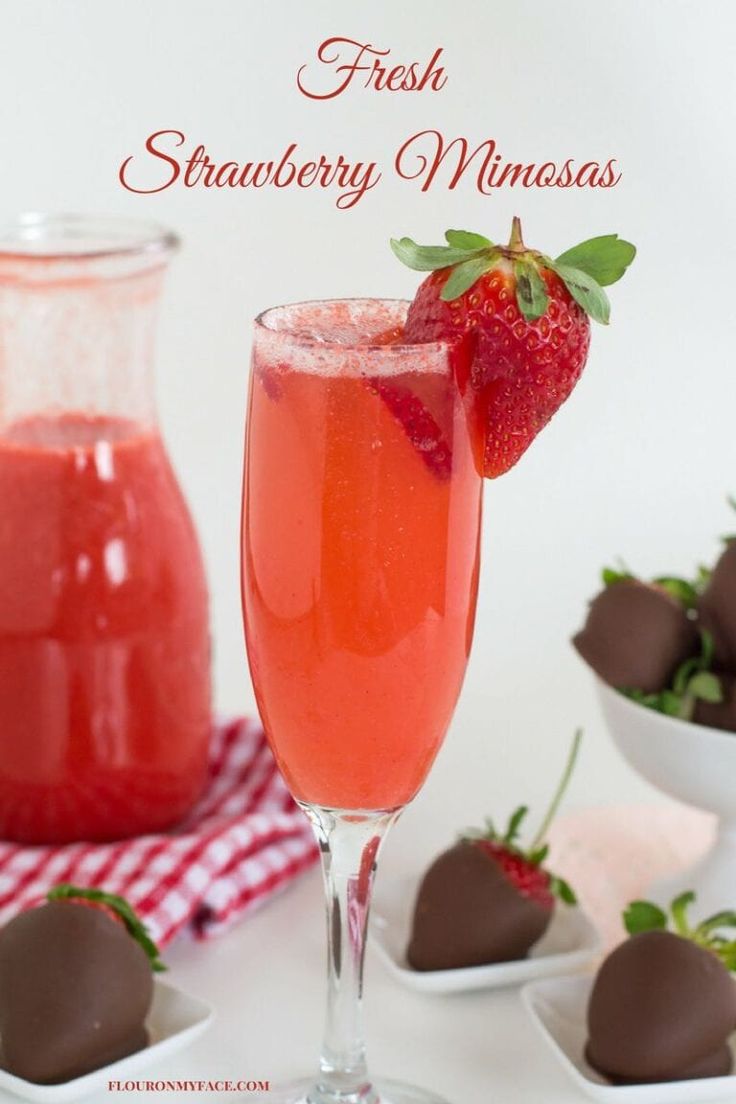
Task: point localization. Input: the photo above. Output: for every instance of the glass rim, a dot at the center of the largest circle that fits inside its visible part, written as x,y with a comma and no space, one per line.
68,237
302,340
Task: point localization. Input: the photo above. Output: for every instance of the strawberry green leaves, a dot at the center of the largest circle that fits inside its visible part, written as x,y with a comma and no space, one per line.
462,246
463,276
678,909
512,831
585,291
604,259
537,857
585,269
589,267
682,590
466,256
693,681
531,290
644,916
612,575
465,239
641,916
428,258
562,889
685,591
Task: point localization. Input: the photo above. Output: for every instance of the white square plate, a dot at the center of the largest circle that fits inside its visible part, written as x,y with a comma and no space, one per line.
558,1009
174,1021
570,943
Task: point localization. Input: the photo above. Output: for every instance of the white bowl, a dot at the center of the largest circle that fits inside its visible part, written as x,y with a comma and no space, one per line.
175,1020
694,764
558,1010
570,943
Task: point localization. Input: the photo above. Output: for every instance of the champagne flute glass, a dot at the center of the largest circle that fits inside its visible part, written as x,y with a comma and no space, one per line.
360,544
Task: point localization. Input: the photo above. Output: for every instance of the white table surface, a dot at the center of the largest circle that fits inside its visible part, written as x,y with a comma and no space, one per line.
266,981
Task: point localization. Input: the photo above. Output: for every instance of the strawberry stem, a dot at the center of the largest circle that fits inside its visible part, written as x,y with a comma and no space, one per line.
560,791
516,242
678,909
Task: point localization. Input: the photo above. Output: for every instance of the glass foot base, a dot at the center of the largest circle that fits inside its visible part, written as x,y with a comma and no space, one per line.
383,1092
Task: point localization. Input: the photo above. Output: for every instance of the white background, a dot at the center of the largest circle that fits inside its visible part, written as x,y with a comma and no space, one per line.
640,460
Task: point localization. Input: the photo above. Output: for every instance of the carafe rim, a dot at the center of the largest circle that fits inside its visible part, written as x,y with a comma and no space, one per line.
39,236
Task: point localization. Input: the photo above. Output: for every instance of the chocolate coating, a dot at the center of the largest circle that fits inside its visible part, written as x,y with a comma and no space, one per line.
719,714
467,913
636,636
717,609
75,989
718,1064
661,1009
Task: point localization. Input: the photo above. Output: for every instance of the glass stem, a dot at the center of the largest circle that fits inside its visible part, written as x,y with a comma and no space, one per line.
349,845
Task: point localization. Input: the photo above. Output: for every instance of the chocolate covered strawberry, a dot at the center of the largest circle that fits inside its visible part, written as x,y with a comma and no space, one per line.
76,984
717,607
526,320
117,908
487,899
643,638
663,1004
636,634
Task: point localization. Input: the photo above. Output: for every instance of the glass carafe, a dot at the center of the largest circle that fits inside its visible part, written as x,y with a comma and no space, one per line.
104,638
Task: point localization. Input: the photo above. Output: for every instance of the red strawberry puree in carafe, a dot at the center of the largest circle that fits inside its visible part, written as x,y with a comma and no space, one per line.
104,646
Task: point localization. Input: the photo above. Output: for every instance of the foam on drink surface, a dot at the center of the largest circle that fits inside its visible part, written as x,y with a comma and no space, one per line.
343,337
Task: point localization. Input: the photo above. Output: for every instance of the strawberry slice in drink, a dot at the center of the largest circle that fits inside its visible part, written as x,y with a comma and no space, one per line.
270,377
420,403
418,423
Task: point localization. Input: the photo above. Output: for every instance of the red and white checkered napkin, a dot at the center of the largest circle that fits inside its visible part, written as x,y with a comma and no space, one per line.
244,840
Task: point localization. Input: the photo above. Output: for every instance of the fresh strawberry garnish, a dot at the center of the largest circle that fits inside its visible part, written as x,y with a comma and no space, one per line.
393,336
525,868
527,317
117,908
